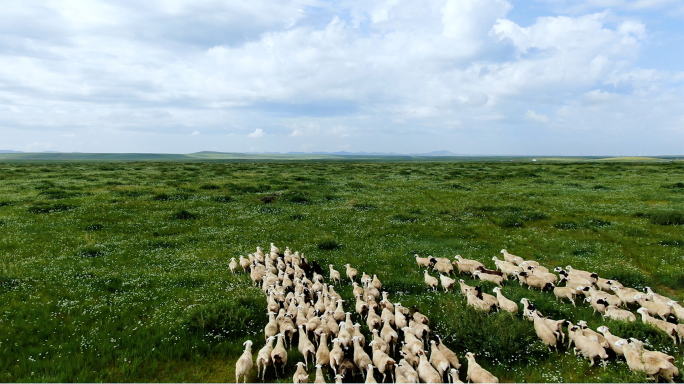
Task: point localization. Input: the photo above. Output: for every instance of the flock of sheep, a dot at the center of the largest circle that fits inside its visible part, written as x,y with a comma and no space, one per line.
608,297
305,311
308,313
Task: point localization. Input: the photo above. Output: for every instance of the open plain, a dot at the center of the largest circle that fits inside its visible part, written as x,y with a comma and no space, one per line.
118,271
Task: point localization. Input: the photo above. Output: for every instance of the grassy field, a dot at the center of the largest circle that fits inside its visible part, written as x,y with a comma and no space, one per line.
119,271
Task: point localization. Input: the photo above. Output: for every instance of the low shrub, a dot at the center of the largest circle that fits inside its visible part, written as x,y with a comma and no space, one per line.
403,218
5,203
207,187
565,225
91,252
667,218
671,243
183,215
223,199
93,227
49,208
363,206
328,245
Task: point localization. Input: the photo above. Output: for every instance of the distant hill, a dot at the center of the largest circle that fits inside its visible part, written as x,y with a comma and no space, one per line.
7,156
8,151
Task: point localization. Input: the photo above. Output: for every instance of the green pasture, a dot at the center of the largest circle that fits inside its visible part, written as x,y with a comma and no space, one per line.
118,271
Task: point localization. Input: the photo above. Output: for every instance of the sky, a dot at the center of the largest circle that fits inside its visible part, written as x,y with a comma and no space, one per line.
491,77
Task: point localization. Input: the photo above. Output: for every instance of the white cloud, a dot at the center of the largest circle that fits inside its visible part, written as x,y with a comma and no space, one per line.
195,133
385,71
534,116
257,134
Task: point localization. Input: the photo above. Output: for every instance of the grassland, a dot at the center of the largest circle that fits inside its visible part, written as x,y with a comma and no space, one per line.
119,271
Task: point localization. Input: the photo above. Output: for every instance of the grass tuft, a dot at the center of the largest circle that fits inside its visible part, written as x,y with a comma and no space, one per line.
328,245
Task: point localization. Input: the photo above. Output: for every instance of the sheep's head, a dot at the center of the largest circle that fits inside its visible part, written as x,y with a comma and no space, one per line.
503,251
470,356
603,329
247,344
642,311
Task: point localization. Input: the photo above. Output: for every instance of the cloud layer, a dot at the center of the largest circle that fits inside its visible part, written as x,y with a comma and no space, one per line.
302,75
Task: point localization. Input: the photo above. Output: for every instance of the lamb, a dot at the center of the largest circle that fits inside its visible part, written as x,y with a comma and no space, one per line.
384,363
476,373
426,372
373,320
611,339
271,328
361,358
306,347
505,303
431,282
498,280
365,279
300,375
264,357
547,336
233,265
589,348
357,333
554,325
351,272
244,364
386,303
453,376
323,353
517,260
652,364
447,282
386,315
565,293
615,313
422,261
334,275
669,328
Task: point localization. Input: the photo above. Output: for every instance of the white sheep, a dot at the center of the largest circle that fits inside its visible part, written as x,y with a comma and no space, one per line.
517,260
619,314
505,303
669,328
351,272
319,374
426,372
300,375
586,346
431,282
447,282
612,340
334,275
662,310
565,293
476,373
264,357
653,364
546,335
244,364
422,261
496,279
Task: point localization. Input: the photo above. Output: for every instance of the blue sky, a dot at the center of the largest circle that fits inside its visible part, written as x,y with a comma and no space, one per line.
531,77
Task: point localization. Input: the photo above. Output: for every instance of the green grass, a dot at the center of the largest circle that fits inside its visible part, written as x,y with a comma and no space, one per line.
119,271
